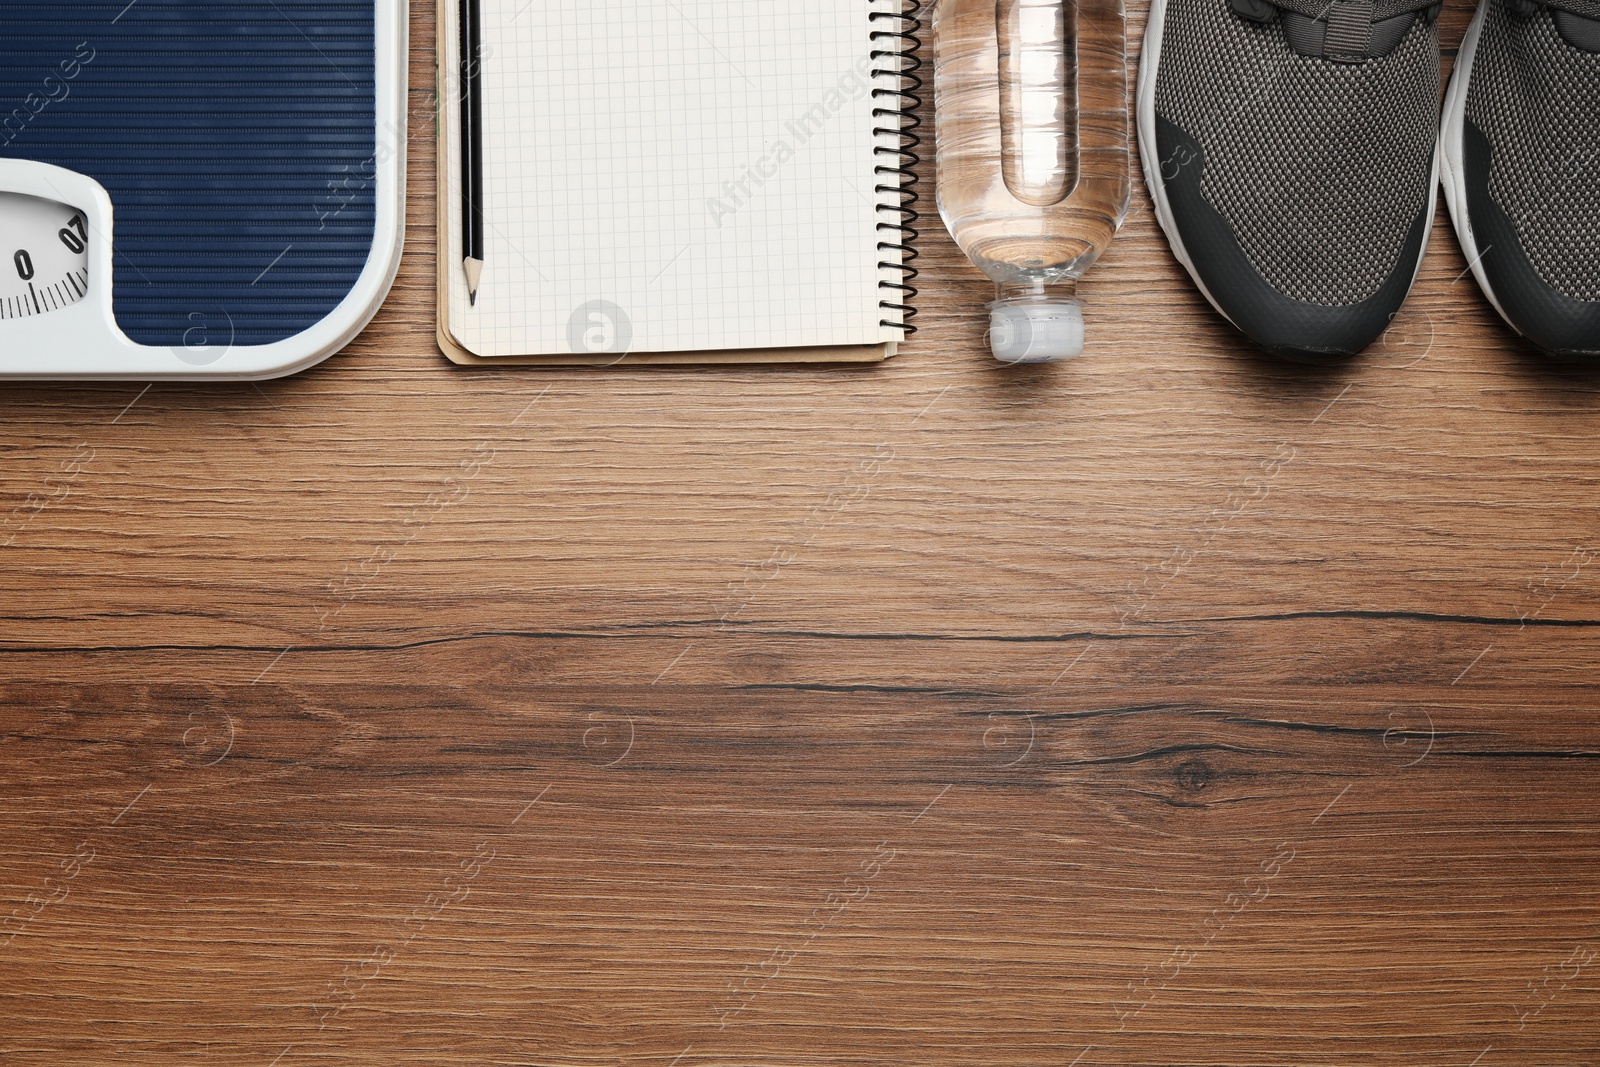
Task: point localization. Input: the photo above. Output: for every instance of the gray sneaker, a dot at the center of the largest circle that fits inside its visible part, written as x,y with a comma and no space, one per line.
1522,166
1290,149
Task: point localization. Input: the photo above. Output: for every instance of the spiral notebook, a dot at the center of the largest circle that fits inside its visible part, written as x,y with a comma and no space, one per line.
685,181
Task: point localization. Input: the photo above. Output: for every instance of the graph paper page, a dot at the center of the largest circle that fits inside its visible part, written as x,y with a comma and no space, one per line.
675,175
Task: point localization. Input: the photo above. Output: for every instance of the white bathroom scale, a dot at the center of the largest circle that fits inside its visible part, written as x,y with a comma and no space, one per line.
196,190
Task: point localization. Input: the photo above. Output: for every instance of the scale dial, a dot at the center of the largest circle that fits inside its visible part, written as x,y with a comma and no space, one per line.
44,256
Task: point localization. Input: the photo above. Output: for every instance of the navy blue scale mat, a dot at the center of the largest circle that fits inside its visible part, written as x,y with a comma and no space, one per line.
237,139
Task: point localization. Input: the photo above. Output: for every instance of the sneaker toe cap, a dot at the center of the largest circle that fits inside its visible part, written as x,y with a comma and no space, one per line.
1288,327
1552,320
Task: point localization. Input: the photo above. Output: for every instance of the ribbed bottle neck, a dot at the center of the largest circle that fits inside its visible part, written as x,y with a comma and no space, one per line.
1033,291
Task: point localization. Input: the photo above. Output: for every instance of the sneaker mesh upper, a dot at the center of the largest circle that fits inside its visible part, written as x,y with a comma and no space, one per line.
1537,99
1319,167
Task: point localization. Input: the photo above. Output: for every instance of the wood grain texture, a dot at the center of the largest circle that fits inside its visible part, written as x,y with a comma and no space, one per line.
1166,707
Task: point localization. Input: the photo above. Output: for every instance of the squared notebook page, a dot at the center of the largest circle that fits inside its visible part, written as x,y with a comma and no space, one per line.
675,175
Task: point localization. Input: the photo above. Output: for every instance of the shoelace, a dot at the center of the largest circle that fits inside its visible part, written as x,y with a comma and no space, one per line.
1344,31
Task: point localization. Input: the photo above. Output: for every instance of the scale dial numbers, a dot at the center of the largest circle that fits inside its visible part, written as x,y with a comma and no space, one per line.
44,256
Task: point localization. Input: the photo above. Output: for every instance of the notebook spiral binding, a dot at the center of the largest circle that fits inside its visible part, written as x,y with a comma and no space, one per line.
895,37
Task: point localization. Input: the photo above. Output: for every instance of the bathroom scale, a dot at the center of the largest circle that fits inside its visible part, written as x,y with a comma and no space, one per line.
196,190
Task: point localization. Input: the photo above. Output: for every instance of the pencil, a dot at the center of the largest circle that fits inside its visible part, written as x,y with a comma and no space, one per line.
471,147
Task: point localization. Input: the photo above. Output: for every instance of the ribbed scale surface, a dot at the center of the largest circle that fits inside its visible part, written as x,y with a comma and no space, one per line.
237,142
1320,167
1537,99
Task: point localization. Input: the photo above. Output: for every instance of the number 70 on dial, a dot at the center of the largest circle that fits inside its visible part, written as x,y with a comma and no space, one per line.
44,256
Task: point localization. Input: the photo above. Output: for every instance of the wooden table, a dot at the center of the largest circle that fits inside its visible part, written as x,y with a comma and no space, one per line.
1171,706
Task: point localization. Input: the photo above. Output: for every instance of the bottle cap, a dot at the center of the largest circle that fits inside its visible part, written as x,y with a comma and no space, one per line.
1042,332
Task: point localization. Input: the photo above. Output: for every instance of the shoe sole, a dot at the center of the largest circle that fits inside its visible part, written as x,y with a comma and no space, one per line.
1150,159
1453,173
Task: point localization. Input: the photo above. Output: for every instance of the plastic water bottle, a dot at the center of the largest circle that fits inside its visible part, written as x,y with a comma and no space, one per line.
1032,113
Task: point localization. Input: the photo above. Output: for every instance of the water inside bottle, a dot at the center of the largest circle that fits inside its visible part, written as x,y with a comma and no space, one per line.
1033,146
1038,92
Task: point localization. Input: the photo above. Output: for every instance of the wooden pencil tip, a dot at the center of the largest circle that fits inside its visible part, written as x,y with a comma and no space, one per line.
474,269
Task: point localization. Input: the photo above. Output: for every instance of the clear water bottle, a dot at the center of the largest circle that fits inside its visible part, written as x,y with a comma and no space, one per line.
1032,114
